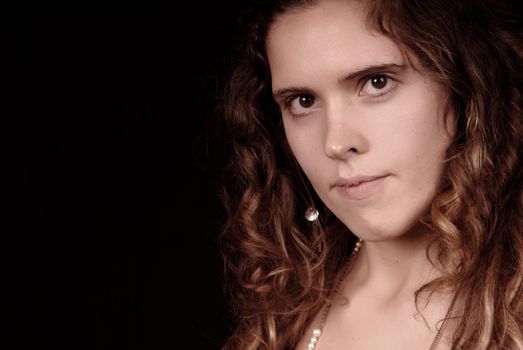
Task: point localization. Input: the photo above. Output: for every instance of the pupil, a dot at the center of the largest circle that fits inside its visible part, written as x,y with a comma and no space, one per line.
306,101
379,82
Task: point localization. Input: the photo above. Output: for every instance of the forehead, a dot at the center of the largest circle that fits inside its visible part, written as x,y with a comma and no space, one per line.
328,37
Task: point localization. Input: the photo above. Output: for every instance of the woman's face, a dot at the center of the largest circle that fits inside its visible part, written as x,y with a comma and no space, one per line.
367,129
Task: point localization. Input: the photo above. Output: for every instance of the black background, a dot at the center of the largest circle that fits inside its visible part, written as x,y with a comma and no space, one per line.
113,212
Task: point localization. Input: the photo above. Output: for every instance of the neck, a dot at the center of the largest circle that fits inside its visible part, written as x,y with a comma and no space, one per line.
393,266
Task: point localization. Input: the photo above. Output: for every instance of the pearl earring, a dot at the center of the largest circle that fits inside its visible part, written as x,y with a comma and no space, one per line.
312,214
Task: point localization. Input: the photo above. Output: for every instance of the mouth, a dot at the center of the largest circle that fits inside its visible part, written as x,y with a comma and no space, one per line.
360,186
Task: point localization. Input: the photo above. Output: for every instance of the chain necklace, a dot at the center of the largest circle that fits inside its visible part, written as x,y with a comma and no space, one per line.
316,333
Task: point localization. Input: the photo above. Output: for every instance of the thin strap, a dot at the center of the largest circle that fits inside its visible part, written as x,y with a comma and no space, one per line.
440,330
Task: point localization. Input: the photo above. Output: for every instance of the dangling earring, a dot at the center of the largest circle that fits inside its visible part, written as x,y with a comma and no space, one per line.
312,214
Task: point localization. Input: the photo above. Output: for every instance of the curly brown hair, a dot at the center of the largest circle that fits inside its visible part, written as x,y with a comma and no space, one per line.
279,270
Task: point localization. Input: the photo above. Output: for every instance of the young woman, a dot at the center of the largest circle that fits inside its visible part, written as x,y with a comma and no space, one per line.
375,176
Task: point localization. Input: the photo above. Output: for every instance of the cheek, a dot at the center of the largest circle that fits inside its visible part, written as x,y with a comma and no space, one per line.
309,155
305,158
301,140
420,157
416,146
419,131
295,143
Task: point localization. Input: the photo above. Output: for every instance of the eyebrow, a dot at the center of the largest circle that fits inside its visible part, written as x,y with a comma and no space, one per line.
364,72
371,70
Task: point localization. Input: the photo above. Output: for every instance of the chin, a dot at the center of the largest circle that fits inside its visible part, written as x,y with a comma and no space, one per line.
379,230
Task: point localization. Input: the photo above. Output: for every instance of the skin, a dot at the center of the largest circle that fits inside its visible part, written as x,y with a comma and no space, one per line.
353,105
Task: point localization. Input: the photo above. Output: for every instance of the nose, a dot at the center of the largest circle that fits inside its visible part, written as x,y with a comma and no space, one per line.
344,136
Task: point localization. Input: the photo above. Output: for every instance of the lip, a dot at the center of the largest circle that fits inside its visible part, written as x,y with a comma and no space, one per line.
360,186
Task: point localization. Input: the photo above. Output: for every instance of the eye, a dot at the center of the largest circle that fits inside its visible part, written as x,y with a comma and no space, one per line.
301,105
377,85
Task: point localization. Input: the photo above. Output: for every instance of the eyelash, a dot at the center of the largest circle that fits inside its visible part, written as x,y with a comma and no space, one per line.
389,81
363,82
289,100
